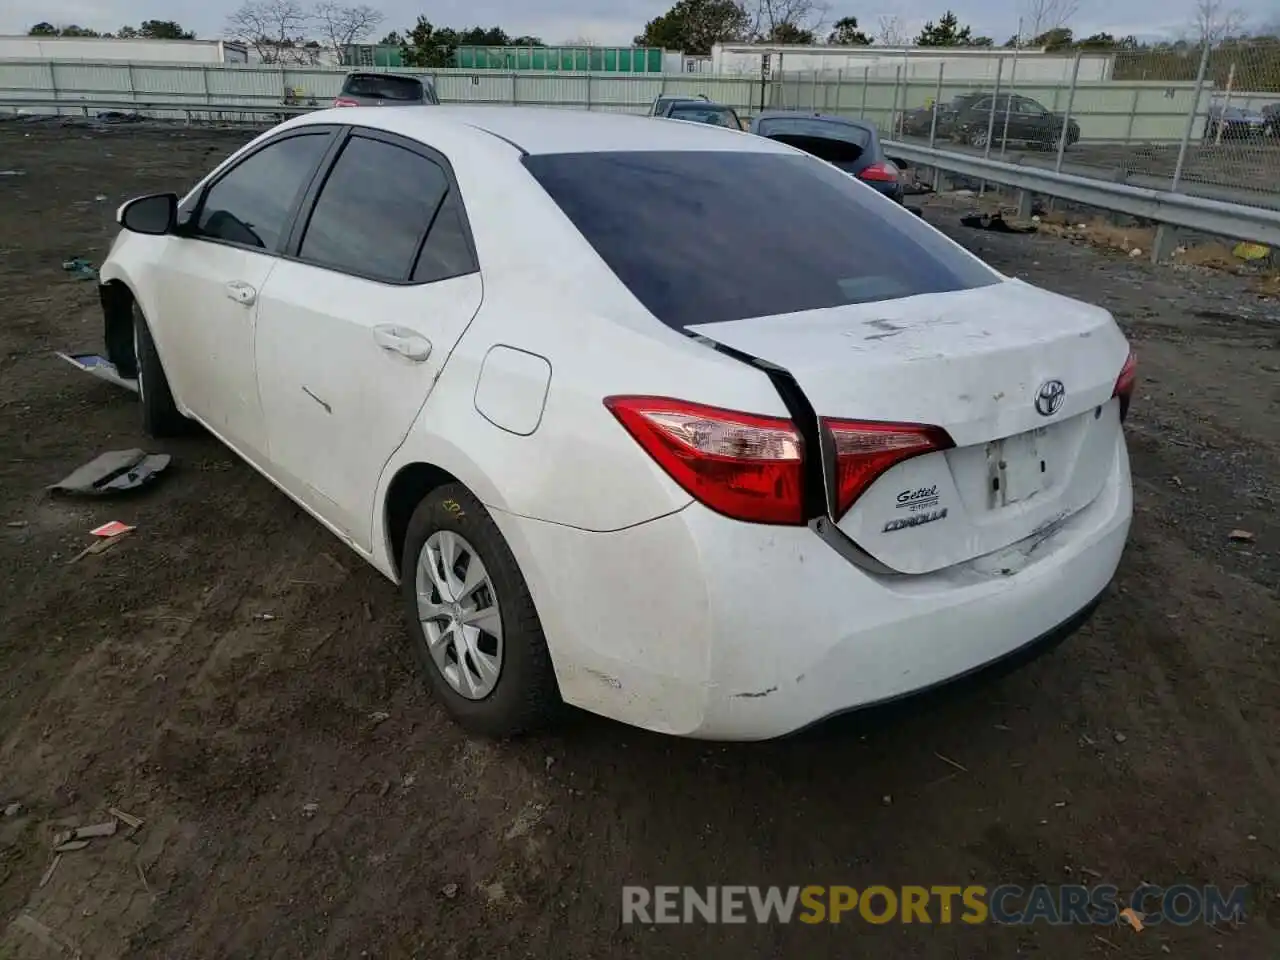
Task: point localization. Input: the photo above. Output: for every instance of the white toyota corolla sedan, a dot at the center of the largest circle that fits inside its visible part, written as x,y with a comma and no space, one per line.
662,420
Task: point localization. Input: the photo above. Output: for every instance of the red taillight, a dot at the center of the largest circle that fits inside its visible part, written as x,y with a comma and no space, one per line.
346,102
1124,383
866,450
743,465
882,172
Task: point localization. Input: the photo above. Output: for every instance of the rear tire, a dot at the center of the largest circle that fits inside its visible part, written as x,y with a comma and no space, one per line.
449,532
160,416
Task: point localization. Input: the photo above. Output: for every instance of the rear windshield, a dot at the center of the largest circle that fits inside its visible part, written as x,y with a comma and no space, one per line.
700,237
811,127
702,113
383,88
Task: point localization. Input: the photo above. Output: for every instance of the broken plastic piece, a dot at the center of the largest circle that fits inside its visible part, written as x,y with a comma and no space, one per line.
80,269
112,528
113,472
99,367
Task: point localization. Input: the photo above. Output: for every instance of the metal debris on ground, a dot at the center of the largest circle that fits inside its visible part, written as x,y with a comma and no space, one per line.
1240,536
13,173
450,890
100,367
379,716
102,546
80,269
48,874
994,222
128,819
113,472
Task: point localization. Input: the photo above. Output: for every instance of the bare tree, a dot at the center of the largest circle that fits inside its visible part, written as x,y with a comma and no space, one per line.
1215,21
891,31
1041,16
275,29
786,20
343,26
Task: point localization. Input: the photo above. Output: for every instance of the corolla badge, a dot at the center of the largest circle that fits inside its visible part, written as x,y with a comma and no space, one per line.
1050,397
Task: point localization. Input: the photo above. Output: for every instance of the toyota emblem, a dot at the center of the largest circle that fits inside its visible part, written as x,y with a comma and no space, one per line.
1050,397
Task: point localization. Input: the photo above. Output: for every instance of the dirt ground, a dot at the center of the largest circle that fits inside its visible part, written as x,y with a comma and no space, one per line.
230,674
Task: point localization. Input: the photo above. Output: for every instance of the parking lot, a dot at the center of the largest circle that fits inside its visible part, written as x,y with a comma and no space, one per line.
231,675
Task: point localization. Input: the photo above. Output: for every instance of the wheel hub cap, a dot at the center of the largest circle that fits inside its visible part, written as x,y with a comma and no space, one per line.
458,609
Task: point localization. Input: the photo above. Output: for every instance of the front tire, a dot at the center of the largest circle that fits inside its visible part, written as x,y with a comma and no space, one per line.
472,624
160,416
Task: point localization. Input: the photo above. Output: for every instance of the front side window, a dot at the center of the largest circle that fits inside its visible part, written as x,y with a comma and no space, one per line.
252,204
706,236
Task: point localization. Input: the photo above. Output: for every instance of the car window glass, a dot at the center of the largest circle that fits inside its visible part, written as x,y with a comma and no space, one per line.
373,210
983,104
383,87
814,127
703,236
700,113
252,203
446,252
1030,107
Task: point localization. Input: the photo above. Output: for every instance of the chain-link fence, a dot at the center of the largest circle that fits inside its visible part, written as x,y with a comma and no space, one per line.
1201,120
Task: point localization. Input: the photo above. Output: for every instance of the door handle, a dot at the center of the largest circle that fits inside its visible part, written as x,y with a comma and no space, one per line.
241,292
406,343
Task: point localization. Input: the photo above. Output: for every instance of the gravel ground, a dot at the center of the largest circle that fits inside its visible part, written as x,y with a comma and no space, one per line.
232,676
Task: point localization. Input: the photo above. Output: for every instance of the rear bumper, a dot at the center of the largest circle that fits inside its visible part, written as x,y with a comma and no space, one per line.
701,626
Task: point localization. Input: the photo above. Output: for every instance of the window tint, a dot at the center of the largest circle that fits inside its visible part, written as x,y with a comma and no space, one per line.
812,127
383,87
373,210
701,113
701,237
252,203
1030,107
446,252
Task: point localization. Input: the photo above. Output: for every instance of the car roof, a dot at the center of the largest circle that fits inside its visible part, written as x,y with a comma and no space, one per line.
540,130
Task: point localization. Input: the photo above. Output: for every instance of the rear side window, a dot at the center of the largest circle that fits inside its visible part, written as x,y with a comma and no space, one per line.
700,237
383,87
374,210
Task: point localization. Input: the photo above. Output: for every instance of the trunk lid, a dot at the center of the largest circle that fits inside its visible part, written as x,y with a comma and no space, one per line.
974,363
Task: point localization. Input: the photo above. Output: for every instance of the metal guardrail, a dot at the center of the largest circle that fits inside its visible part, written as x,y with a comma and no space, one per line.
1160,206
1163,207
60,107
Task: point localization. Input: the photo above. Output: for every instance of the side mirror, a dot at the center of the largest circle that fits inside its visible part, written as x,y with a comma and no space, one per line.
155,215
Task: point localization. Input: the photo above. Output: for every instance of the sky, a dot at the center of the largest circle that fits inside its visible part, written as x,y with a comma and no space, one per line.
618,21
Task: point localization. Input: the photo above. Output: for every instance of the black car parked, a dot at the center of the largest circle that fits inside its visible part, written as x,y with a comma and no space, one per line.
967,116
